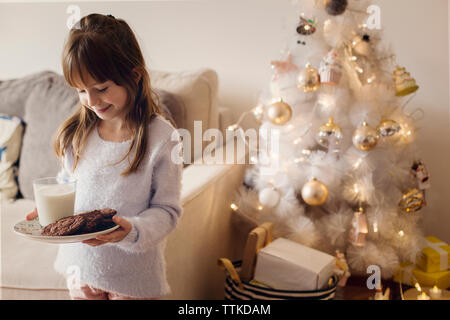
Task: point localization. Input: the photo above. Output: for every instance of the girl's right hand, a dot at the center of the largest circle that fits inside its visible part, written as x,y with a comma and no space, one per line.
32,215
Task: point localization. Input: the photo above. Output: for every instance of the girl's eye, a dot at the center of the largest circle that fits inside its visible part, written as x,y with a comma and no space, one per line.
103,90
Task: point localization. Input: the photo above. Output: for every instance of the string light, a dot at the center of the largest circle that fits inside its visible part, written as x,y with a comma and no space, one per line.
297,141
375,227
260,207
234,207
401,233
357,163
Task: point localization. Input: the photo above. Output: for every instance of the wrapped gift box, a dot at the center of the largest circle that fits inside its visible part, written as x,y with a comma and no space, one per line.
435,256
288,265
409,273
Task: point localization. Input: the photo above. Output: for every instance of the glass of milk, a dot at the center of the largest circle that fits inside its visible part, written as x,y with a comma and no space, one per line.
55,199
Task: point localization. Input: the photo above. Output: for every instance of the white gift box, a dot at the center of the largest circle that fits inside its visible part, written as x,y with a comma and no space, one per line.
288,265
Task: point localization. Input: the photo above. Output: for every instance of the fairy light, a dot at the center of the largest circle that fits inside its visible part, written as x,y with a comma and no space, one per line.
375,227
357,163
353,58
297,141
418,287
401,233
260,207
254,159
359,69
234,207
355,188
290,127
306,152
233,127
298,160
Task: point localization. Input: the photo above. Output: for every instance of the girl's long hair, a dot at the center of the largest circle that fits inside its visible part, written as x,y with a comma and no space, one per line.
107,49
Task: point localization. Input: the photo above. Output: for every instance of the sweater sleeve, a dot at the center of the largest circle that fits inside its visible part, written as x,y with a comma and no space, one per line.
152,225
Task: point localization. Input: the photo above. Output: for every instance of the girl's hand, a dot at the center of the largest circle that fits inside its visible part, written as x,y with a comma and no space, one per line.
114,236
32,215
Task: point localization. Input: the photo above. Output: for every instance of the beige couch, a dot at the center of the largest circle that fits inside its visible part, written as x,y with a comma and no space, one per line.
206,230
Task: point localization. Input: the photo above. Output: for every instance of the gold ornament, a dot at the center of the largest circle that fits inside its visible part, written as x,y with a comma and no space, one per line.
279,113
308,80
329,134
412,201
388,128
404,83
314,193
361,45
365,138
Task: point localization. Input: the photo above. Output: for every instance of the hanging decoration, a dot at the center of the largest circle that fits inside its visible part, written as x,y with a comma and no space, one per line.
307,26
413,200
359,229
308,80
388,128
404,83
315,193
329,134
279,113
335,7
330,70
365,138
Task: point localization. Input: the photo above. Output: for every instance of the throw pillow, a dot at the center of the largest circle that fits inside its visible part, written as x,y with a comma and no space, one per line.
11,130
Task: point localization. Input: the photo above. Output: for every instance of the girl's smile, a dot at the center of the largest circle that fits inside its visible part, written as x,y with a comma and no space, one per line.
97,110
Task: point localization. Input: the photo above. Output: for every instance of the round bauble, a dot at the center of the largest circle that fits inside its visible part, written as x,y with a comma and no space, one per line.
329,134
308,79
279,113
335,7
387,128
361,45
269,197
365,138
314,193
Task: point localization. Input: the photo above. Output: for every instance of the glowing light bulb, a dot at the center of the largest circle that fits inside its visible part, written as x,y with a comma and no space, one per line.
234,207
260,207
375,227
401,233
355,188
357,163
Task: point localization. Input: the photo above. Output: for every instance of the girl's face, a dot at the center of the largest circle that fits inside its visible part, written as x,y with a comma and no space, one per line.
107,99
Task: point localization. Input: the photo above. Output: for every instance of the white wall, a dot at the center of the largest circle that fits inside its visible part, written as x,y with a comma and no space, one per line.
239,39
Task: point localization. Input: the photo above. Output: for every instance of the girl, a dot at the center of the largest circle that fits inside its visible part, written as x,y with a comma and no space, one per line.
118,147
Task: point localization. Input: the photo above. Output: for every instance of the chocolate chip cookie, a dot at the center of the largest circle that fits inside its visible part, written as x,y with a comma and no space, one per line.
86,222
65,226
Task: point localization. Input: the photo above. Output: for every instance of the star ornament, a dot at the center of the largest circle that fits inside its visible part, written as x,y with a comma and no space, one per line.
283,67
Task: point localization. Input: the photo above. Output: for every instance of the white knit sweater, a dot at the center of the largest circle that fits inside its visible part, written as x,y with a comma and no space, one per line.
148,198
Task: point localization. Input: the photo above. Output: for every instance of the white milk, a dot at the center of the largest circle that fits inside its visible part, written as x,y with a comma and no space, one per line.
54,202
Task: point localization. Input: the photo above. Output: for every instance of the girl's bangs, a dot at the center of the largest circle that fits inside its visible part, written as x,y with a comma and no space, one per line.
85,58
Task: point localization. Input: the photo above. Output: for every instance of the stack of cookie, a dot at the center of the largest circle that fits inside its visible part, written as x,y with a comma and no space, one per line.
86,222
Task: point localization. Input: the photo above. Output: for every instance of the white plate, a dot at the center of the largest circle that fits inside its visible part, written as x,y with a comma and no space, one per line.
31,229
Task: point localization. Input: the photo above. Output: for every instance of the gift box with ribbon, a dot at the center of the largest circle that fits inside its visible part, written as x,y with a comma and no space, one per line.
409,274
435,256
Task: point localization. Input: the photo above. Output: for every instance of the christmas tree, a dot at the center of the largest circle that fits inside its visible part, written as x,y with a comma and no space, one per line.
347,175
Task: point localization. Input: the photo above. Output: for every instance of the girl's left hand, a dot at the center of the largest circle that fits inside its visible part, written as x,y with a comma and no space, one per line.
114,236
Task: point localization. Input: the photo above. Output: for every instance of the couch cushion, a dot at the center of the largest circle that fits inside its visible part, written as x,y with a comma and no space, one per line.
49,103
11,129
198,91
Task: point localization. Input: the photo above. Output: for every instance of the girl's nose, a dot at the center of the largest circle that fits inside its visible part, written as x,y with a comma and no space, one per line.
92,99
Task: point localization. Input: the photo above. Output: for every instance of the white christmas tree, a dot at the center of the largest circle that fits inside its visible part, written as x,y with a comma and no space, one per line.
347,176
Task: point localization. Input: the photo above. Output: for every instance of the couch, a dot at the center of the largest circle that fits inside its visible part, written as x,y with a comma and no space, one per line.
206,230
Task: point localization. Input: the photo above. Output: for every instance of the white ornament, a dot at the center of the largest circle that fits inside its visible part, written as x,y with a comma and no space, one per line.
269,197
